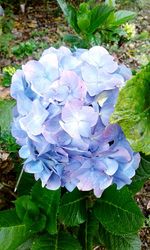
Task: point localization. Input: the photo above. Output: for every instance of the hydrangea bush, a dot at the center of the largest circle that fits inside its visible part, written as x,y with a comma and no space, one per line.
71,140
61,120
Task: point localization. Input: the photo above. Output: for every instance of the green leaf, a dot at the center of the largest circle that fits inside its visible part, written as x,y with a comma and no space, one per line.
88,231
12,232
73,208
25,206
6,114
142,175
117,211
132,111
8,218
29,214
75,41
11,237
123,16
114,242
62,241
83,16
92,228
70,14
99,15
48,202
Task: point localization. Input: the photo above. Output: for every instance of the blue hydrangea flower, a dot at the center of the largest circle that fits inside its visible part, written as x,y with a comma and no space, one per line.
61,120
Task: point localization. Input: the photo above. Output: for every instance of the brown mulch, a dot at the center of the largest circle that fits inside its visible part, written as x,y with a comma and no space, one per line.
38,18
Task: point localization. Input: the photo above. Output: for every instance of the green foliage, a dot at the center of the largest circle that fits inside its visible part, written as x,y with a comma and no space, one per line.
6,114
30,47
115,242
12,232
95,22
45,219
62,241
8,71
6,80
24,49
132,111
117,212
73,208
48,202
7,142
6,25
88,231
29,213
5,40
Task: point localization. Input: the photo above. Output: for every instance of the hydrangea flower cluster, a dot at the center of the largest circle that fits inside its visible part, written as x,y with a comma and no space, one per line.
61,120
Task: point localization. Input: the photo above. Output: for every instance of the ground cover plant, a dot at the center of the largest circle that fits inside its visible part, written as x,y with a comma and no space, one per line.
85,163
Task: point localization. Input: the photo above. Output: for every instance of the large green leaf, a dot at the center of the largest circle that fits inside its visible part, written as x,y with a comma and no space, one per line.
142,175
123,16
73,208
118,212
99,15
48,201
62,241
12,232
6,114
115,242
84,17
11,237
132,111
